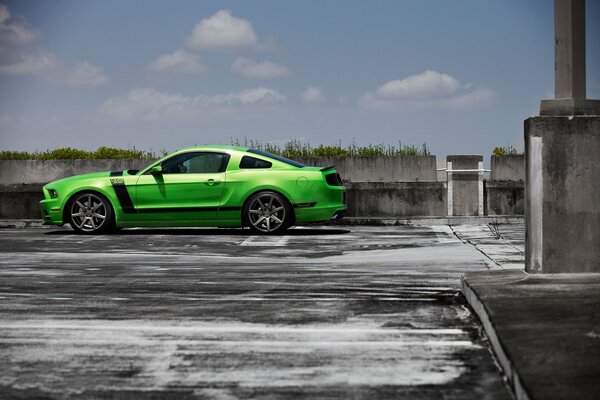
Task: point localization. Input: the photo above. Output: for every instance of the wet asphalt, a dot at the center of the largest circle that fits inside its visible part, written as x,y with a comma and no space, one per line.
322,312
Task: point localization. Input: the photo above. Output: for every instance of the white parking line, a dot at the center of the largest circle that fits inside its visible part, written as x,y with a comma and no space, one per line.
265,241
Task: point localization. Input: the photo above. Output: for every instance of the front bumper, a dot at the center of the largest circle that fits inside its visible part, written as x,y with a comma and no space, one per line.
51,211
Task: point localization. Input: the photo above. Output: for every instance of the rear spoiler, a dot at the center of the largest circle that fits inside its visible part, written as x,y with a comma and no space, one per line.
327,168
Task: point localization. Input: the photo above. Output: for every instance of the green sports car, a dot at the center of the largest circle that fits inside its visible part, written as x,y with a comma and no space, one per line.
220,186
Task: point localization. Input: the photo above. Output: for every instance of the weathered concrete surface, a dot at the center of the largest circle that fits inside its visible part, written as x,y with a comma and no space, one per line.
465,195
18,172
563,194
380,169
363,199
507,168
20,201
380,199
370,312
504,198
355,169
544,328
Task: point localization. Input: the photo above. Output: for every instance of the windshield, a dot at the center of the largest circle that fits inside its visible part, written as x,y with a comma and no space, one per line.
278,158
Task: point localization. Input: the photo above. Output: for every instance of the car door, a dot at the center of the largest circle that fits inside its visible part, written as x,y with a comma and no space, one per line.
189,187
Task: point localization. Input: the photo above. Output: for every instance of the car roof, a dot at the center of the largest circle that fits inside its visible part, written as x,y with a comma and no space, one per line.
212,147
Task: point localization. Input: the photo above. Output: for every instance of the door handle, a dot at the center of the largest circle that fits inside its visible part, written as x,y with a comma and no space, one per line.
212,182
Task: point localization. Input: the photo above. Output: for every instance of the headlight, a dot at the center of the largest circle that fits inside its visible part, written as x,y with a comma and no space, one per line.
53,193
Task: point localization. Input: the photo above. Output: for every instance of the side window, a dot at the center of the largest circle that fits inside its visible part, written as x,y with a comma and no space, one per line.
251,162
196,163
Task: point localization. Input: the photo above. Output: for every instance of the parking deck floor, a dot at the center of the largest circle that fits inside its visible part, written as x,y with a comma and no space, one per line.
327,312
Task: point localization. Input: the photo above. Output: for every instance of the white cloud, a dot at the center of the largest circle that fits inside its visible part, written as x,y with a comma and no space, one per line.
313,95
19,57
422,86
264,70
14,30
151,105
222,31
85,74
427,90
30,63
179,61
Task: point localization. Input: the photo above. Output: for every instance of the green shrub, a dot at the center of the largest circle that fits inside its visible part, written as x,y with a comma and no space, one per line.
296,148
505,151
68,153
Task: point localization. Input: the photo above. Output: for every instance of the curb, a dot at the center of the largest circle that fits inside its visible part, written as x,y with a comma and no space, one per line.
25,223
505,363
458,220
348,221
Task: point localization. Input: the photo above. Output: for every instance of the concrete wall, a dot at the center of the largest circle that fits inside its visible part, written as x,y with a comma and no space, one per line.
504,198
507,168
380,169
20,201
355,169
364,199
381,199
43,171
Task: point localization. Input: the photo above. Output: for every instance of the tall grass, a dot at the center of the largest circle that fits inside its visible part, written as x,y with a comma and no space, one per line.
297,148
68,153
292,149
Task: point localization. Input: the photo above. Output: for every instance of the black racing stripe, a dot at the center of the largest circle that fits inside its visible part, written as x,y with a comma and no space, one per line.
303,205
176,209
231,208
124,198
116,173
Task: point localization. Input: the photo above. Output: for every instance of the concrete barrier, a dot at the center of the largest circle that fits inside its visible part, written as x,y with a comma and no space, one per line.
355,169
507,168
380,169
399,199
20,201
14,172
364,199
504,198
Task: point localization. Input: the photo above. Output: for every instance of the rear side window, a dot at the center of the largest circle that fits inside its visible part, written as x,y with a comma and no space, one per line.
252,162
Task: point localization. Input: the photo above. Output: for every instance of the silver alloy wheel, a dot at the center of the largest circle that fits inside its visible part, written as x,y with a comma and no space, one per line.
89,212
266,212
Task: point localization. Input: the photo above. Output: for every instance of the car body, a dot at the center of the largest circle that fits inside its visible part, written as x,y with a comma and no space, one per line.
222,186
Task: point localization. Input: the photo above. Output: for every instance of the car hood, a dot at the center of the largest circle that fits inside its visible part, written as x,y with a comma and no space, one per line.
103,174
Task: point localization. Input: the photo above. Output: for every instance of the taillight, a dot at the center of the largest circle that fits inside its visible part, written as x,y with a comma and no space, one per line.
334,180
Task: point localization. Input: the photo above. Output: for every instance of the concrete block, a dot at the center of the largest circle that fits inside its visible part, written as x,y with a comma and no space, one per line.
504,198
507,168
401,199
562,195
13,172
465,186
380,169
20,201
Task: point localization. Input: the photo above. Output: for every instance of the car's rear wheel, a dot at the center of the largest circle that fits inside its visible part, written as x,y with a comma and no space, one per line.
90,213
268,213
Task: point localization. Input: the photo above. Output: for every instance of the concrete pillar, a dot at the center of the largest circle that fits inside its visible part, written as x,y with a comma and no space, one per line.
562,147
562,194
569,63
464,187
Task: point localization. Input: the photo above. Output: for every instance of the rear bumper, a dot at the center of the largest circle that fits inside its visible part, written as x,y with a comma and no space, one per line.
320,214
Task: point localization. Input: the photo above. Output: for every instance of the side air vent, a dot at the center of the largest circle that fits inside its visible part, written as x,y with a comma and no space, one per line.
334,180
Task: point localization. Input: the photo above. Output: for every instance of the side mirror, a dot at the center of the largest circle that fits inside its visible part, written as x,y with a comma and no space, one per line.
156,170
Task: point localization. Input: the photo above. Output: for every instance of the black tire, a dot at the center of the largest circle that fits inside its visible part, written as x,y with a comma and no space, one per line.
267,213
90,213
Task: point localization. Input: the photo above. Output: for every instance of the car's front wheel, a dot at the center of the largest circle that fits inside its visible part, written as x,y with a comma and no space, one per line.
268,213
90,213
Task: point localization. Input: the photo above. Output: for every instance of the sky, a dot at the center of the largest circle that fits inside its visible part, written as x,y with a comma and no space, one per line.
460,75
